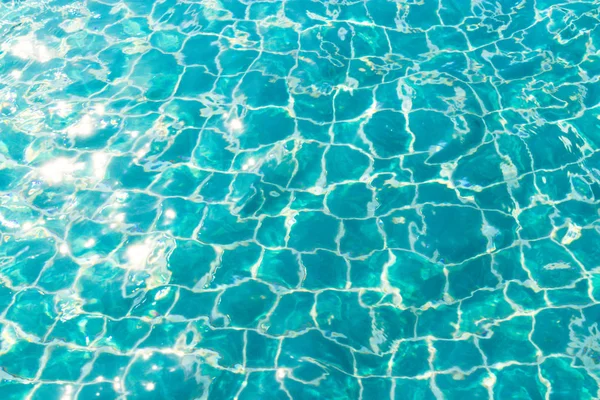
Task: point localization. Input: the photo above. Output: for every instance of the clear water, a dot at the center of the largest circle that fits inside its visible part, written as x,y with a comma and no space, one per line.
299,199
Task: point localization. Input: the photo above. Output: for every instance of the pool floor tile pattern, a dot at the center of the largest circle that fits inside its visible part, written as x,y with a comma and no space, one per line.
299,199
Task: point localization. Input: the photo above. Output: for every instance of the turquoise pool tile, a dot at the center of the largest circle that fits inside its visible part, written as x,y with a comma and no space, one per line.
529,385
387,319
108,366
568,380
262,385
525,297
103,391
375,388
344,163
190,262
361,237
389,196
178,181
228,384
125,334
470,386
365,272
228,344
155,302
313,343
191,304
323,270
411,359
510,341
236,263
188,215
260,350
169,379
472,275
352,104
463,354
304,238
258,299
340,385
350,200
80,330
22,360
272,232
386,133
341,314
28,260
454,233
33,311
15,390
292,313
577,295
65,364
550,264
48,390
281,267
100,287
419,280
479,310
373,364
556,340
413,388
221,227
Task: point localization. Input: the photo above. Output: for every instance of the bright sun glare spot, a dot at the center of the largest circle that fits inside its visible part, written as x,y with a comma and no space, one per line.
29,48
249,164
59,169
68,392
83,128
99,109
62,109
236,124
170,213
137,255
64,249
120,217
99,162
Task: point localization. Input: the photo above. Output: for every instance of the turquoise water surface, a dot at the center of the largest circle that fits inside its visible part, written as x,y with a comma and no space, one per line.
299,199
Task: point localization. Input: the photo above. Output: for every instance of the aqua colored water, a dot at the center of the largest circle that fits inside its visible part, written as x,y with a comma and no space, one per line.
244,199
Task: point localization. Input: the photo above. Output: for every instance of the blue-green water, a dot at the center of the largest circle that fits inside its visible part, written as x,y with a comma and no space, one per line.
299,200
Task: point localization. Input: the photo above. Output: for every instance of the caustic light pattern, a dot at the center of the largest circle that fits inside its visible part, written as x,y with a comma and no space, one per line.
299,199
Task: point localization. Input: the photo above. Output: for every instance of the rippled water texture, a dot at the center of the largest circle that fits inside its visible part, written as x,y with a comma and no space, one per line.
299,200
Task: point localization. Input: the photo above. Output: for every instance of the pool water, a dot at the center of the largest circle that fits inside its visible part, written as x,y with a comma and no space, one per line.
244,199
